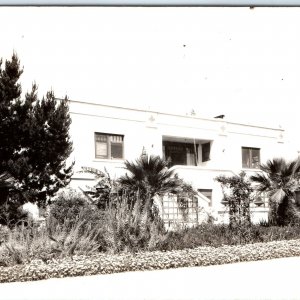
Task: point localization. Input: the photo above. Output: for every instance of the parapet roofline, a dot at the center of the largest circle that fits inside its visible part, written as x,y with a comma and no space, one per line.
173,114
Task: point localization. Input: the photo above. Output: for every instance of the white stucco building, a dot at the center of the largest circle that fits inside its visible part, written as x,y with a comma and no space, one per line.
199,148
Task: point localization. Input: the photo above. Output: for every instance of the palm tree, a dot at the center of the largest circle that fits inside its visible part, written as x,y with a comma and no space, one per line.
279,179
150,176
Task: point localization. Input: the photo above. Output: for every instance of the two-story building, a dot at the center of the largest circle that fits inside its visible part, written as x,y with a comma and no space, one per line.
199,148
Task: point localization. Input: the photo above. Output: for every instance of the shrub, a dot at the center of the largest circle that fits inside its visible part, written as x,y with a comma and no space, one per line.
26,243
69,206
280,179
237,196
219,235
11,212
131,227
123,229
149,176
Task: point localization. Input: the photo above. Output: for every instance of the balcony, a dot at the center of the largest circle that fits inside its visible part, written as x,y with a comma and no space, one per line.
186,151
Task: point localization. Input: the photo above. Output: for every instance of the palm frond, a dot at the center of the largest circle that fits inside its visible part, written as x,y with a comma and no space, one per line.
262,182
150,173
96,172
279,178
297,168
278,195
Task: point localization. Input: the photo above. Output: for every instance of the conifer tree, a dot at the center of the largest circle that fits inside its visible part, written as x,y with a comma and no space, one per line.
34,138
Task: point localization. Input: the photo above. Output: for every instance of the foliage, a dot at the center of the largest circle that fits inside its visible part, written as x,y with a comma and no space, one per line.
12,213
75,227
70,206
221,234
127,225
130,227
121,228
105,191
6,181
237,196
150,176
280,179
23,244
83,237
155,260
34,137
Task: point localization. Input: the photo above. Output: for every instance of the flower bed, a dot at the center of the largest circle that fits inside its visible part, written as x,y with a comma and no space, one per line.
156,260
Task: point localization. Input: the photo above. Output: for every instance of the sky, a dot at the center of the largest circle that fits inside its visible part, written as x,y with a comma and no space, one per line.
240,62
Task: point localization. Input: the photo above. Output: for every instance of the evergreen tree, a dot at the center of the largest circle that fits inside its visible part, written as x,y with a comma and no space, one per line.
34,135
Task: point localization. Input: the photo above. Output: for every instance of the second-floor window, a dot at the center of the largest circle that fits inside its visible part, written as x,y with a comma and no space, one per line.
180,153
108,146
250,157
205,152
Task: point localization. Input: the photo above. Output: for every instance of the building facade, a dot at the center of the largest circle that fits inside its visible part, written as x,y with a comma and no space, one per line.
199,149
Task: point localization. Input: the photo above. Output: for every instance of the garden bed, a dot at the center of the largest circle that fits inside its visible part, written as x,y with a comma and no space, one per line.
155,260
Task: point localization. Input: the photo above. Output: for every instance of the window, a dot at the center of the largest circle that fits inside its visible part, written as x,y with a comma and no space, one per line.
250,157
207,193
108,146
205,152
180,153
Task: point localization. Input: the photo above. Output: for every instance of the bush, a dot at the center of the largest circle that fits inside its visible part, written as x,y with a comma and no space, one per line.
123,229
279,179
237,198
23,244
11,212
75,227
219,235
131,227
70,206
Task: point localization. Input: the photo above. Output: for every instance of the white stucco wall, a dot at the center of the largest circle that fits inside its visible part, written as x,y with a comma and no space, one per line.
146,129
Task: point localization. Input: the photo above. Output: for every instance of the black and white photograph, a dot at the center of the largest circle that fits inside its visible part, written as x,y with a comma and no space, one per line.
149,152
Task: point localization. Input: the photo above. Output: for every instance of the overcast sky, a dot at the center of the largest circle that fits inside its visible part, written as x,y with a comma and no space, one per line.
241,62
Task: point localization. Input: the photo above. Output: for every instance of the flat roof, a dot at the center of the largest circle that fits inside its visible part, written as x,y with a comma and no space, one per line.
250,124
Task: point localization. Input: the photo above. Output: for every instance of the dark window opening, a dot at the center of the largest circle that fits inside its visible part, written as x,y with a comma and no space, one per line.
180,153
205,152
250,157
